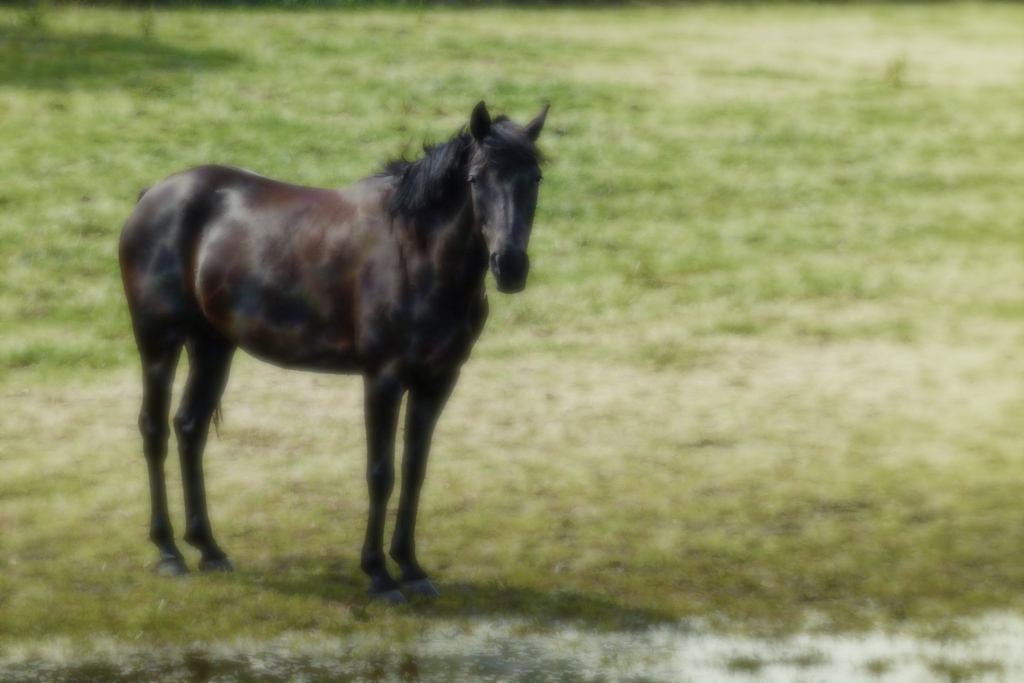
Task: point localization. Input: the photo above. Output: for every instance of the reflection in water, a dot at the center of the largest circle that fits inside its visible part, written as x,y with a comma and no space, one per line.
987,649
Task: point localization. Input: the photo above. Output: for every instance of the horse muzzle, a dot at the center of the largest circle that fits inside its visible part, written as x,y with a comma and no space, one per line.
510,268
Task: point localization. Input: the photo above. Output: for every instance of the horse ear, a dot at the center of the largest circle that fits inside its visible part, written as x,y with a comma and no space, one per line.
480,122
534,127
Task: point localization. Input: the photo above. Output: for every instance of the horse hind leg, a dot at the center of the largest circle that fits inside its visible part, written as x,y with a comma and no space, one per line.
159,362
209,364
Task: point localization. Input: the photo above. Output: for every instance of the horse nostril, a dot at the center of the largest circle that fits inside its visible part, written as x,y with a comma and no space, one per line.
510,267
513,264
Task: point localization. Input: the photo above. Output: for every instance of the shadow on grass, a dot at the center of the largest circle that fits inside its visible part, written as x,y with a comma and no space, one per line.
40,59
200,666
492,600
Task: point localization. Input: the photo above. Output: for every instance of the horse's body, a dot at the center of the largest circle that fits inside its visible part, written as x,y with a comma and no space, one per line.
384,278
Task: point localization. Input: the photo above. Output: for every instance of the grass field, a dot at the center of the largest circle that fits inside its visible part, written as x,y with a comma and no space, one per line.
768,372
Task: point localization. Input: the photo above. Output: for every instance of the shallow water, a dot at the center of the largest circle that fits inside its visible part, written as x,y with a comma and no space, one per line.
990,649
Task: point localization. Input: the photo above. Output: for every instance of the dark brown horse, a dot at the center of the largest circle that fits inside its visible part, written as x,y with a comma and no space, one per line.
384,278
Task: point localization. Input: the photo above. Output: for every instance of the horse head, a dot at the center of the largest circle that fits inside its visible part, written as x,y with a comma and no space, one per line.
504,176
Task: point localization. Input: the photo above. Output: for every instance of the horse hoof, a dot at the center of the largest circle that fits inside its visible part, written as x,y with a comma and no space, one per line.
391,597
421,587
221,564
171,566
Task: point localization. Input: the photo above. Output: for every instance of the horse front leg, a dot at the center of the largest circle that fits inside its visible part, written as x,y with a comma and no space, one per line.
426,402
382,398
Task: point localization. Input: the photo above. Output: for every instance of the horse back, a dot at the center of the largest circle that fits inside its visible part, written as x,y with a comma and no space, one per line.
278,269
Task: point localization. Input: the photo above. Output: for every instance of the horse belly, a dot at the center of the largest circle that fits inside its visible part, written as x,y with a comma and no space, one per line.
282,315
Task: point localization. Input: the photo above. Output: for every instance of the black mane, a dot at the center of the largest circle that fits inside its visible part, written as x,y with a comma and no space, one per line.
426,183
437,178
508,146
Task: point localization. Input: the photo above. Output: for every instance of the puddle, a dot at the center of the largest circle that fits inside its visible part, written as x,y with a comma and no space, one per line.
987,650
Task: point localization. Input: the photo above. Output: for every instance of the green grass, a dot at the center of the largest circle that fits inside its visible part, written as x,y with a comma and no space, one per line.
767,372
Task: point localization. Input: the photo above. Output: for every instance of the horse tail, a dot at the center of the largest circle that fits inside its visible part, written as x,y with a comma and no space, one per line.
218,417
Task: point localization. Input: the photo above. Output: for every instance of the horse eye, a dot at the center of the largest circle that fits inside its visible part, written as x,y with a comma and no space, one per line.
538,179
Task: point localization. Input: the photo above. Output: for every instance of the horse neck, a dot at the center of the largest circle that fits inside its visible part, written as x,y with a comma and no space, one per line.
455,246
440,227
